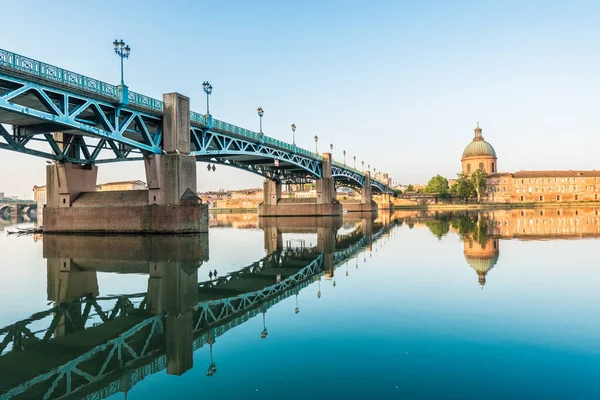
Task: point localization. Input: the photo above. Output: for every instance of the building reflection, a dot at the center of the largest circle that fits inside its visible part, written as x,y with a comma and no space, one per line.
482,231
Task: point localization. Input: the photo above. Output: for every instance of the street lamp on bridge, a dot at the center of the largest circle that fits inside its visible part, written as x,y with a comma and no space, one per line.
331,148
363,166
208,90
122,50
354,162
294,134
344,157
260,113
316,141
264,333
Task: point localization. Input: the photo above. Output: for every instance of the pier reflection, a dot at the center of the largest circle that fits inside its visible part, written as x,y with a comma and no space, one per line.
92,346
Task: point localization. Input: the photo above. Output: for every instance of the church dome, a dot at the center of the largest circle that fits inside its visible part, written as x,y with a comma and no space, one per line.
479,147
482,265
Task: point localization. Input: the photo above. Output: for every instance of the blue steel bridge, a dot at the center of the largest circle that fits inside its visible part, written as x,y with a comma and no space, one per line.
92,348
104,123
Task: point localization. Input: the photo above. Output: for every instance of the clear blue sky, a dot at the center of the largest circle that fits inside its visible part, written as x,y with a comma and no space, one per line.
399,84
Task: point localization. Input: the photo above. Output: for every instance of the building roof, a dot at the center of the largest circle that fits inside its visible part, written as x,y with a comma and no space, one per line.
547,174
479,147
121,183
482,264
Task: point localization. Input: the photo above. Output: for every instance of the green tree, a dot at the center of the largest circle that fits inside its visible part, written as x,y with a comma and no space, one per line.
478,182
410,188
438,184
463,187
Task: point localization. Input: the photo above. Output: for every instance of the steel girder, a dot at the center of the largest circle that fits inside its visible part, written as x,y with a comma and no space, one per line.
90,125
223,147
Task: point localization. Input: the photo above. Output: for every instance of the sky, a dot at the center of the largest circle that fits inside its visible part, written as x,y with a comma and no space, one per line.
398,84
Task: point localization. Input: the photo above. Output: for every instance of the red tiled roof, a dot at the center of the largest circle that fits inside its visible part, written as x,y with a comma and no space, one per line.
547,174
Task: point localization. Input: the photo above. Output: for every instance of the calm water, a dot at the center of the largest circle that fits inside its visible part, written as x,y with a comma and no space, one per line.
498,305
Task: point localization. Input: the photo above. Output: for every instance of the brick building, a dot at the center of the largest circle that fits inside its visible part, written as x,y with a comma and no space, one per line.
527,186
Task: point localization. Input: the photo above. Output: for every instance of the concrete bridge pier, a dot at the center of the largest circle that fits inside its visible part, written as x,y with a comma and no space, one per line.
325,204
66,282
170,205
367,230
173,291
326,240
366,199
273,239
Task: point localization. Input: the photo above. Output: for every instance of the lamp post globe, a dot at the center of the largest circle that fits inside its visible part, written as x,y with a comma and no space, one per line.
260,113
316,142
294,134
207,87
122,50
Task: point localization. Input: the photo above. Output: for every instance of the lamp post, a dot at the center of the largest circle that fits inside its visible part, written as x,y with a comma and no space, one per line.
294,134
363,166
208,90
260,113
122,50
264,333
354,162
212,369
316,141
369,168
344,157
296,310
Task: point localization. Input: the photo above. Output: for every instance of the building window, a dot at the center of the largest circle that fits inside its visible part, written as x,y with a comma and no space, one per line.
541,198
481,166
493,167
576,197
558,197
595,197
521,198
505,180
468,168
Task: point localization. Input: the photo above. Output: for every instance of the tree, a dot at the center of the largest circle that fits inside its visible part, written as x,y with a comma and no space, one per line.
410,188
463,187
438,184
479,183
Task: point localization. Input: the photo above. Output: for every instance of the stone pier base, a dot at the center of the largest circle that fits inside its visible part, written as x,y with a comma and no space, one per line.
299,208
89,215
357,206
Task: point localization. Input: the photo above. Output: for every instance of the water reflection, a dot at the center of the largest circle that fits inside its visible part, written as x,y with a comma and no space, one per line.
92,346
482,231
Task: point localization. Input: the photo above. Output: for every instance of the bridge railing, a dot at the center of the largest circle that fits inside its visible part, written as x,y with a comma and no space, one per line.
41,70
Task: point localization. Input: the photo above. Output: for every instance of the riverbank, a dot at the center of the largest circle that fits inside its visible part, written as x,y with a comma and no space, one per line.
246,210
498,206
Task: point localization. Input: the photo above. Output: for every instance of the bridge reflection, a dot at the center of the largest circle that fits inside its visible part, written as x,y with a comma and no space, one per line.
482,231
91,347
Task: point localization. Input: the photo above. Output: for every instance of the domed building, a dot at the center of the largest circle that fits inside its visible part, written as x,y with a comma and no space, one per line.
479,154
482,258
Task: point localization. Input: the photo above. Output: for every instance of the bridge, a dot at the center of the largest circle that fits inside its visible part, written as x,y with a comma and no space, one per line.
78,123
14,208
92,347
